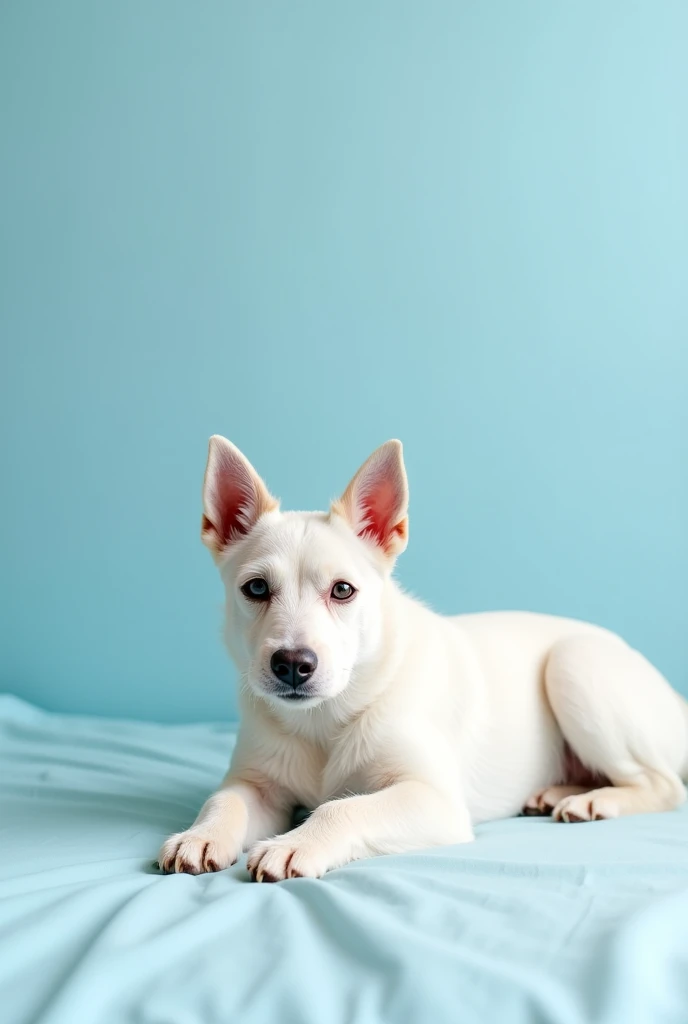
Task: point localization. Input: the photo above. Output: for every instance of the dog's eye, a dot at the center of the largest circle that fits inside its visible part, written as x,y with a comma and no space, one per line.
256,589
342,591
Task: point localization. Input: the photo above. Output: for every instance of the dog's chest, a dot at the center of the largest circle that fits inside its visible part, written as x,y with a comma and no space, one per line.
338,767
331,783
322,772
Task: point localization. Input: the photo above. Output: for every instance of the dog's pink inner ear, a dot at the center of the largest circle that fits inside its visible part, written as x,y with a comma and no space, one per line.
234,496
376,500
380,511
231,508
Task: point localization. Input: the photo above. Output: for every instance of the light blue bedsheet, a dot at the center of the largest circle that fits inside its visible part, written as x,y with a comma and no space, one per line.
534,922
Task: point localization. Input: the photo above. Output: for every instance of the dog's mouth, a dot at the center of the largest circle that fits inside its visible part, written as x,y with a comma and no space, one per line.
305,695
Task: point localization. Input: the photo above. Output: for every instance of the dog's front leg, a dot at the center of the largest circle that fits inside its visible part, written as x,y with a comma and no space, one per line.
230,821
406,816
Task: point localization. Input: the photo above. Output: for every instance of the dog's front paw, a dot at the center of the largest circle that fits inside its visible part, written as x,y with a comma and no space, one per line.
194,853
288,856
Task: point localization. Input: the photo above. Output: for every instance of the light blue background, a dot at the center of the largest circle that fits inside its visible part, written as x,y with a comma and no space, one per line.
311,227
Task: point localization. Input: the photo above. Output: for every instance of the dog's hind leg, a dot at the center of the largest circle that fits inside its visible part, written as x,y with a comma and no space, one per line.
545,800
623,721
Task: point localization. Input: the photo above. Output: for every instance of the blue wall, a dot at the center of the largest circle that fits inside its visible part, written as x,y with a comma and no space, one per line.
313,226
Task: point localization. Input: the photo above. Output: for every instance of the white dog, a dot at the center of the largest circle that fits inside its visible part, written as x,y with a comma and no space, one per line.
398,727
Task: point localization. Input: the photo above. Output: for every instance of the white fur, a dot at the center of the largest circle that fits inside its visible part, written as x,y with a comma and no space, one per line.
419,725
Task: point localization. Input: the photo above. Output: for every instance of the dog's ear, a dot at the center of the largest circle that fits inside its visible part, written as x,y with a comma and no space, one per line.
234,496
376,501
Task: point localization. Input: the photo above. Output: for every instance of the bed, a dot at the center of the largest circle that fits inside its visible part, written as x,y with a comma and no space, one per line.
534,922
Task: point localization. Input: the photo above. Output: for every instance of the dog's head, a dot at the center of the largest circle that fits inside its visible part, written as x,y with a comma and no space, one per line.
304,589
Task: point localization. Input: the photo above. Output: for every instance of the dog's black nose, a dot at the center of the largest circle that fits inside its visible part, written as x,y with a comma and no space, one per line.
294,667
